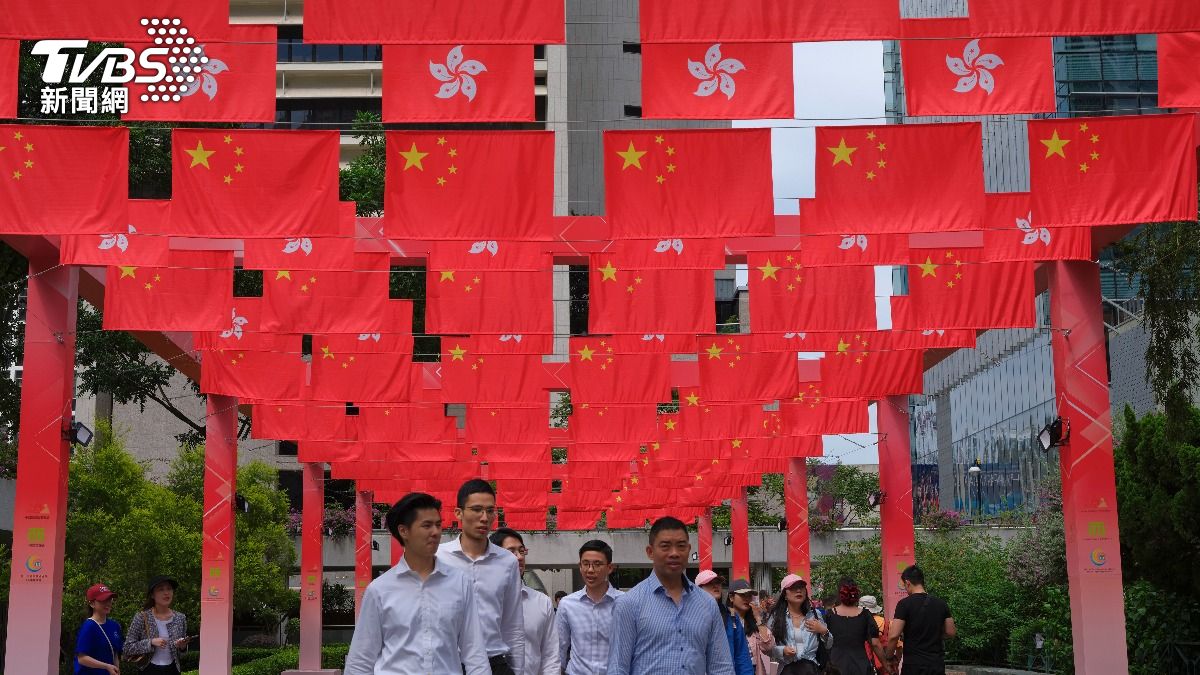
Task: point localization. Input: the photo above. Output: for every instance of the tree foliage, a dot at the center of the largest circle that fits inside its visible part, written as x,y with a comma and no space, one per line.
363,180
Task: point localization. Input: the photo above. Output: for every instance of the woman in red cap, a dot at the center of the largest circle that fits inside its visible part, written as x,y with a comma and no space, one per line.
98,647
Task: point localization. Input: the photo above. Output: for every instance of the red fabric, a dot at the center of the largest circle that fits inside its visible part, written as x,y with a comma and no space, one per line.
1013,233
612,424
897,178
688,183
10,61
824,250
489,254
495,424
434,22
811,414
63,180
649,254
767,20
194,293
981,76
405,423
952,288
459,83
867,374
717,81
259,183
600,375
732,370
523,520
509,303
519,453
468,377
651,343
537,343
1112,170
348,465
476,185
1178,63
252,376
345,368
284,421
236,84
116,21
243,331
784,296
115,248
576,520
299,253
926,338
328,302
1064,17
623,300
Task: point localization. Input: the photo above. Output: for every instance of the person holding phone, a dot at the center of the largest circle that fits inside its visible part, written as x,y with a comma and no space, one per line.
157,634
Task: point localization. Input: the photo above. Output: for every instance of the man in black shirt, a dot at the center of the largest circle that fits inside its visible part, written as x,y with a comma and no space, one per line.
924,621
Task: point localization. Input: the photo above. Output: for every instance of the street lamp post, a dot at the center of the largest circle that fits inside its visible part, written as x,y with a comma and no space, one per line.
977,471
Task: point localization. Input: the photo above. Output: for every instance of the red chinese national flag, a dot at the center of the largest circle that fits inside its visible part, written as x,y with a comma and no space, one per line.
253,376
785,296
863,373
1014,233
717,81
63,180
649,301
289,421
116,21
195,293
328,302
897,178
954,288
235,84
767,20
982,76
498,302
600,375
732,370
10,62
405,423
477,185
495,424
256,183
1112,170
688,183
458,83
1068,17
471,377
350,368
1178,65
810,414
434,21
612,424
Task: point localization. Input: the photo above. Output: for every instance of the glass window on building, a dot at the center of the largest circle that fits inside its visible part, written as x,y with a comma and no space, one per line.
1107,75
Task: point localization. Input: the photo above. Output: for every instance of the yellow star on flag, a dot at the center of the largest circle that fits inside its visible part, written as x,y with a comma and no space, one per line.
842,347
200,155
326,352
608,272
1054,145
842,153
632,157
413,158
670,424
128,272
928,268
768,271
447,275
456,353
693,399
585,354
283,274
714,352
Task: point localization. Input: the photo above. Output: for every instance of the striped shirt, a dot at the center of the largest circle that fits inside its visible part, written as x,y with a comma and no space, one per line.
583,631
652,635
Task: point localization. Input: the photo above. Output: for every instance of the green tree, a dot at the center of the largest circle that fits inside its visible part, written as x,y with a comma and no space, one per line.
362,182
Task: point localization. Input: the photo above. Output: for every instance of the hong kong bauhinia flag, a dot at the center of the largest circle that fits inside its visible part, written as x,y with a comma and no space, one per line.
129,245
435,21
982,76
117,21
194,293
233,81
477,185
1178,63
257,183
717,81
689,183
458,83
1112,170
1014,233
897,178
63,180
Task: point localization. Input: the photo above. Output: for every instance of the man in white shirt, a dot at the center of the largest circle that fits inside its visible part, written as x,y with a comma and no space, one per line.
541,633
585,616
420,617
495,574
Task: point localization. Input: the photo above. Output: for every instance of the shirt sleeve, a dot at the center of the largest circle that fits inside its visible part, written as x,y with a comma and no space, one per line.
550,645
139,638
472,651
718,658
624,633
367,644
512,621
741,650
563,626
86,640
902,610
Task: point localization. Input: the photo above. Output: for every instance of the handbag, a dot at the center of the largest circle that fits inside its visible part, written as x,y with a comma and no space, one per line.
141,660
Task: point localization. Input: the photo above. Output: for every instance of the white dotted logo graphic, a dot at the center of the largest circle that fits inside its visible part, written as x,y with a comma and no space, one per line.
186,61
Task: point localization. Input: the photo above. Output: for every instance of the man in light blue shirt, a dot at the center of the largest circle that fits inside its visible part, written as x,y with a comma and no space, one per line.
666,624
585,616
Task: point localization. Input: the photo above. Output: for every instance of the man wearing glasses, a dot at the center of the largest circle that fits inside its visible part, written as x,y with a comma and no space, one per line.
585,616
495,575
541,635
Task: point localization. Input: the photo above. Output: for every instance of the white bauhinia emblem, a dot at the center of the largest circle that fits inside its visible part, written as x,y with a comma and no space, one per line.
513,338
654,337
298,244
185,66
715,73
931,332
481,246
849,241
118,241
363,337
669,244
792,336
235,328
1032,234
457,75
974,68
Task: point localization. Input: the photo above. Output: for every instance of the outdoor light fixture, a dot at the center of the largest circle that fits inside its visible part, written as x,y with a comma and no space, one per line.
695,556
728,540
78,434
242,503
781,525
1054,434
374,545
876,499
977,471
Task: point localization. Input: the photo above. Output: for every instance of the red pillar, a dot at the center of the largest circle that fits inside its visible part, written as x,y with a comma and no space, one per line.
312,567
364,526
795,497
43,458
704,539
895,480
739,522
216,555
1088,481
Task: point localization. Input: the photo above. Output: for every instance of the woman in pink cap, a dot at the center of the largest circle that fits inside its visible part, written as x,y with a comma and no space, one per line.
798,632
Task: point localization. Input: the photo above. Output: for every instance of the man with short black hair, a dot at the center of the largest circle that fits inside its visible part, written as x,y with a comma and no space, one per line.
585,616
665,624
924,620
496,576
541,634
421,615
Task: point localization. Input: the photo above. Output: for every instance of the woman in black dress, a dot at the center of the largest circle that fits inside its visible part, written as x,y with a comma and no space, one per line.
852,628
